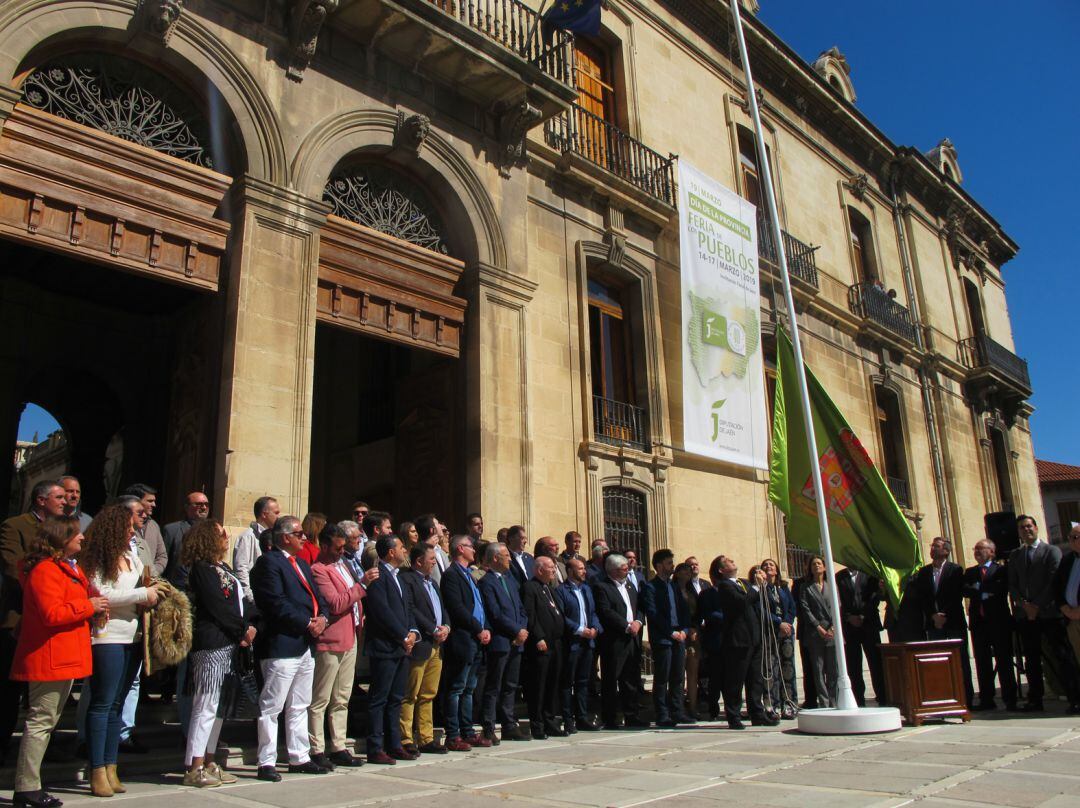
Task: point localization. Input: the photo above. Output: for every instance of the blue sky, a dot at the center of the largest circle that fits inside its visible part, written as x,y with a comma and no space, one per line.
999,79
992,76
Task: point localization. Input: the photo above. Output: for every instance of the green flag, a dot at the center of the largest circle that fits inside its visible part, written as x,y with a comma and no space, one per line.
867,529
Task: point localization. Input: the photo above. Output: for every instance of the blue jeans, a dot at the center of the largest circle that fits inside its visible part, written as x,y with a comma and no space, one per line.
458,706
127,715
115,668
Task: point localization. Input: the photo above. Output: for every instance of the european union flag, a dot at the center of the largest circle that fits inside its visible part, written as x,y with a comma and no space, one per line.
579,16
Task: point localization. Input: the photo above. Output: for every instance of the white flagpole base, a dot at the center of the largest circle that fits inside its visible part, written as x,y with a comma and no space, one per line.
859,721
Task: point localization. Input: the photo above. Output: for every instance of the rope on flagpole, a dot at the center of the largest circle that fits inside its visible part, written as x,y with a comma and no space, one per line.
845,699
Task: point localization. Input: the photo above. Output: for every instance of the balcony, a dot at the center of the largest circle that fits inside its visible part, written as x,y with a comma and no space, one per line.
600,143
490,51
996,377
802,265
620,424
884,320
900,491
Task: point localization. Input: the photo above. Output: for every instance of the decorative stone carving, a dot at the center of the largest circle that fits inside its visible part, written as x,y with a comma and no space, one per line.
943,157
514,122
159,17
412,131
616,248
833,66
859,184
306,19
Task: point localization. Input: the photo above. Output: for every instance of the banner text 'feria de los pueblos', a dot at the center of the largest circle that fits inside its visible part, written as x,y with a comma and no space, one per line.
723,381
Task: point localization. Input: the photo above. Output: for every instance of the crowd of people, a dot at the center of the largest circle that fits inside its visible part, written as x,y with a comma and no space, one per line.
454,627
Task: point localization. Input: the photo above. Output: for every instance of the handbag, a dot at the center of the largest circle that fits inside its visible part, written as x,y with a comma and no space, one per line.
240,690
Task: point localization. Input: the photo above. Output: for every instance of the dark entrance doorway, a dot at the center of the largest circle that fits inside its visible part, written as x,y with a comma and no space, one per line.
127,365
387,427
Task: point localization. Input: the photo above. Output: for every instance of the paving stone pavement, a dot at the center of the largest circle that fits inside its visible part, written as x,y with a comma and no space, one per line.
1000,760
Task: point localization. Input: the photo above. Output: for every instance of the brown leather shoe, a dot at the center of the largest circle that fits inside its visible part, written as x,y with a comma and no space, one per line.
476,740
401,754
458,745
434,748
380,759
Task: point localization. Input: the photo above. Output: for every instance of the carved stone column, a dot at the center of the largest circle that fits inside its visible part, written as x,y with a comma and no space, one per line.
264,429
499,474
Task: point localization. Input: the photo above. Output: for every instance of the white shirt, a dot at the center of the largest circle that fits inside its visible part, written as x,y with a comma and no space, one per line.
626,599
346,576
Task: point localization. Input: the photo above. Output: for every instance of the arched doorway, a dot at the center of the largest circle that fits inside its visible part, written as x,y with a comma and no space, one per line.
388,410
107,165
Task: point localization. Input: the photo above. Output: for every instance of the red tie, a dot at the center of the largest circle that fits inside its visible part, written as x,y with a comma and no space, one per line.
303,580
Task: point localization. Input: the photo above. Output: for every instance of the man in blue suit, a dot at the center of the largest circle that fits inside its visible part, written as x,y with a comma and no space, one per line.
502,603
522,563
579,639
390,633
294,614
469,636
710,619
669,623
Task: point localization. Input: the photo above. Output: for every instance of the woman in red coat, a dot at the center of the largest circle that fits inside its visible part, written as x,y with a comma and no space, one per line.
54,645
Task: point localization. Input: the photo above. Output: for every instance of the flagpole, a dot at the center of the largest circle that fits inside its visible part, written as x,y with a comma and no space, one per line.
534,26
845,698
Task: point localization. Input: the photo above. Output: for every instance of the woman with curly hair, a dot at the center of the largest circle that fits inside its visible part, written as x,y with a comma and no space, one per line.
223,624
54,645
312,526
780,606
115,572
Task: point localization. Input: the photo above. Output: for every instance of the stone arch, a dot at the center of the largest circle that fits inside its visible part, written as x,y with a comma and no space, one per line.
943,158
448,176
833,66
26,26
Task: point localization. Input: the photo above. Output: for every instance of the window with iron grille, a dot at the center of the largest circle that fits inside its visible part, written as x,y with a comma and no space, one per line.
625,525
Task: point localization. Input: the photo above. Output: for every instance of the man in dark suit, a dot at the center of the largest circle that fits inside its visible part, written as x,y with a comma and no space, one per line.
1032,568
986,585
860,595
669,622
581,627
543,651
294,612
469,636
938,588
425,661
522,562
391,633
17,536
710,619
509,631
621,618
196,507
742,646
1067,596
636,578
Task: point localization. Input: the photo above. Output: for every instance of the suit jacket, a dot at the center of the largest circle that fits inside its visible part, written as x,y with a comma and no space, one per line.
572,613
710,618
657,607
1061,578
341,631
173,537
458,599
593,573
504,610
423,612
1034,581
814,609
17,535
742,626
947,599
284,605
215,601
859,595
611,610
544,613
442,561
389,616
988,603
515,568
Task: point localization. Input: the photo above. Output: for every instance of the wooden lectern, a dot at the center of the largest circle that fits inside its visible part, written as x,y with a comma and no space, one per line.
925,679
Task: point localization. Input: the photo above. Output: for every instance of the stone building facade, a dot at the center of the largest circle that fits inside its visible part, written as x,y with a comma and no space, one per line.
420,252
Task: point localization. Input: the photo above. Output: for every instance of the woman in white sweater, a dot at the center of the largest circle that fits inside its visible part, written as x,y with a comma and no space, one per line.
115,572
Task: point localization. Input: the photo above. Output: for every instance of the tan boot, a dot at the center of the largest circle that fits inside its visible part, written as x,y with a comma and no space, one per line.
99,783
114,780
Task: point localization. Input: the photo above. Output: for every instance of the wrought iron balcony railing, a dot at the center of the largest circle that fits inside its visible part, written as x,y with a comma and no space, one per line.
800,256
619,423
981,352
872,302
516,27
900,491
606,145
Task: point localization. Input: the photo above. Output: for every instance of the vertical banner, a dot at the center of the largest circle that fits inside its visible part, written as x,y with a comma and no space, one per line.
723,377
